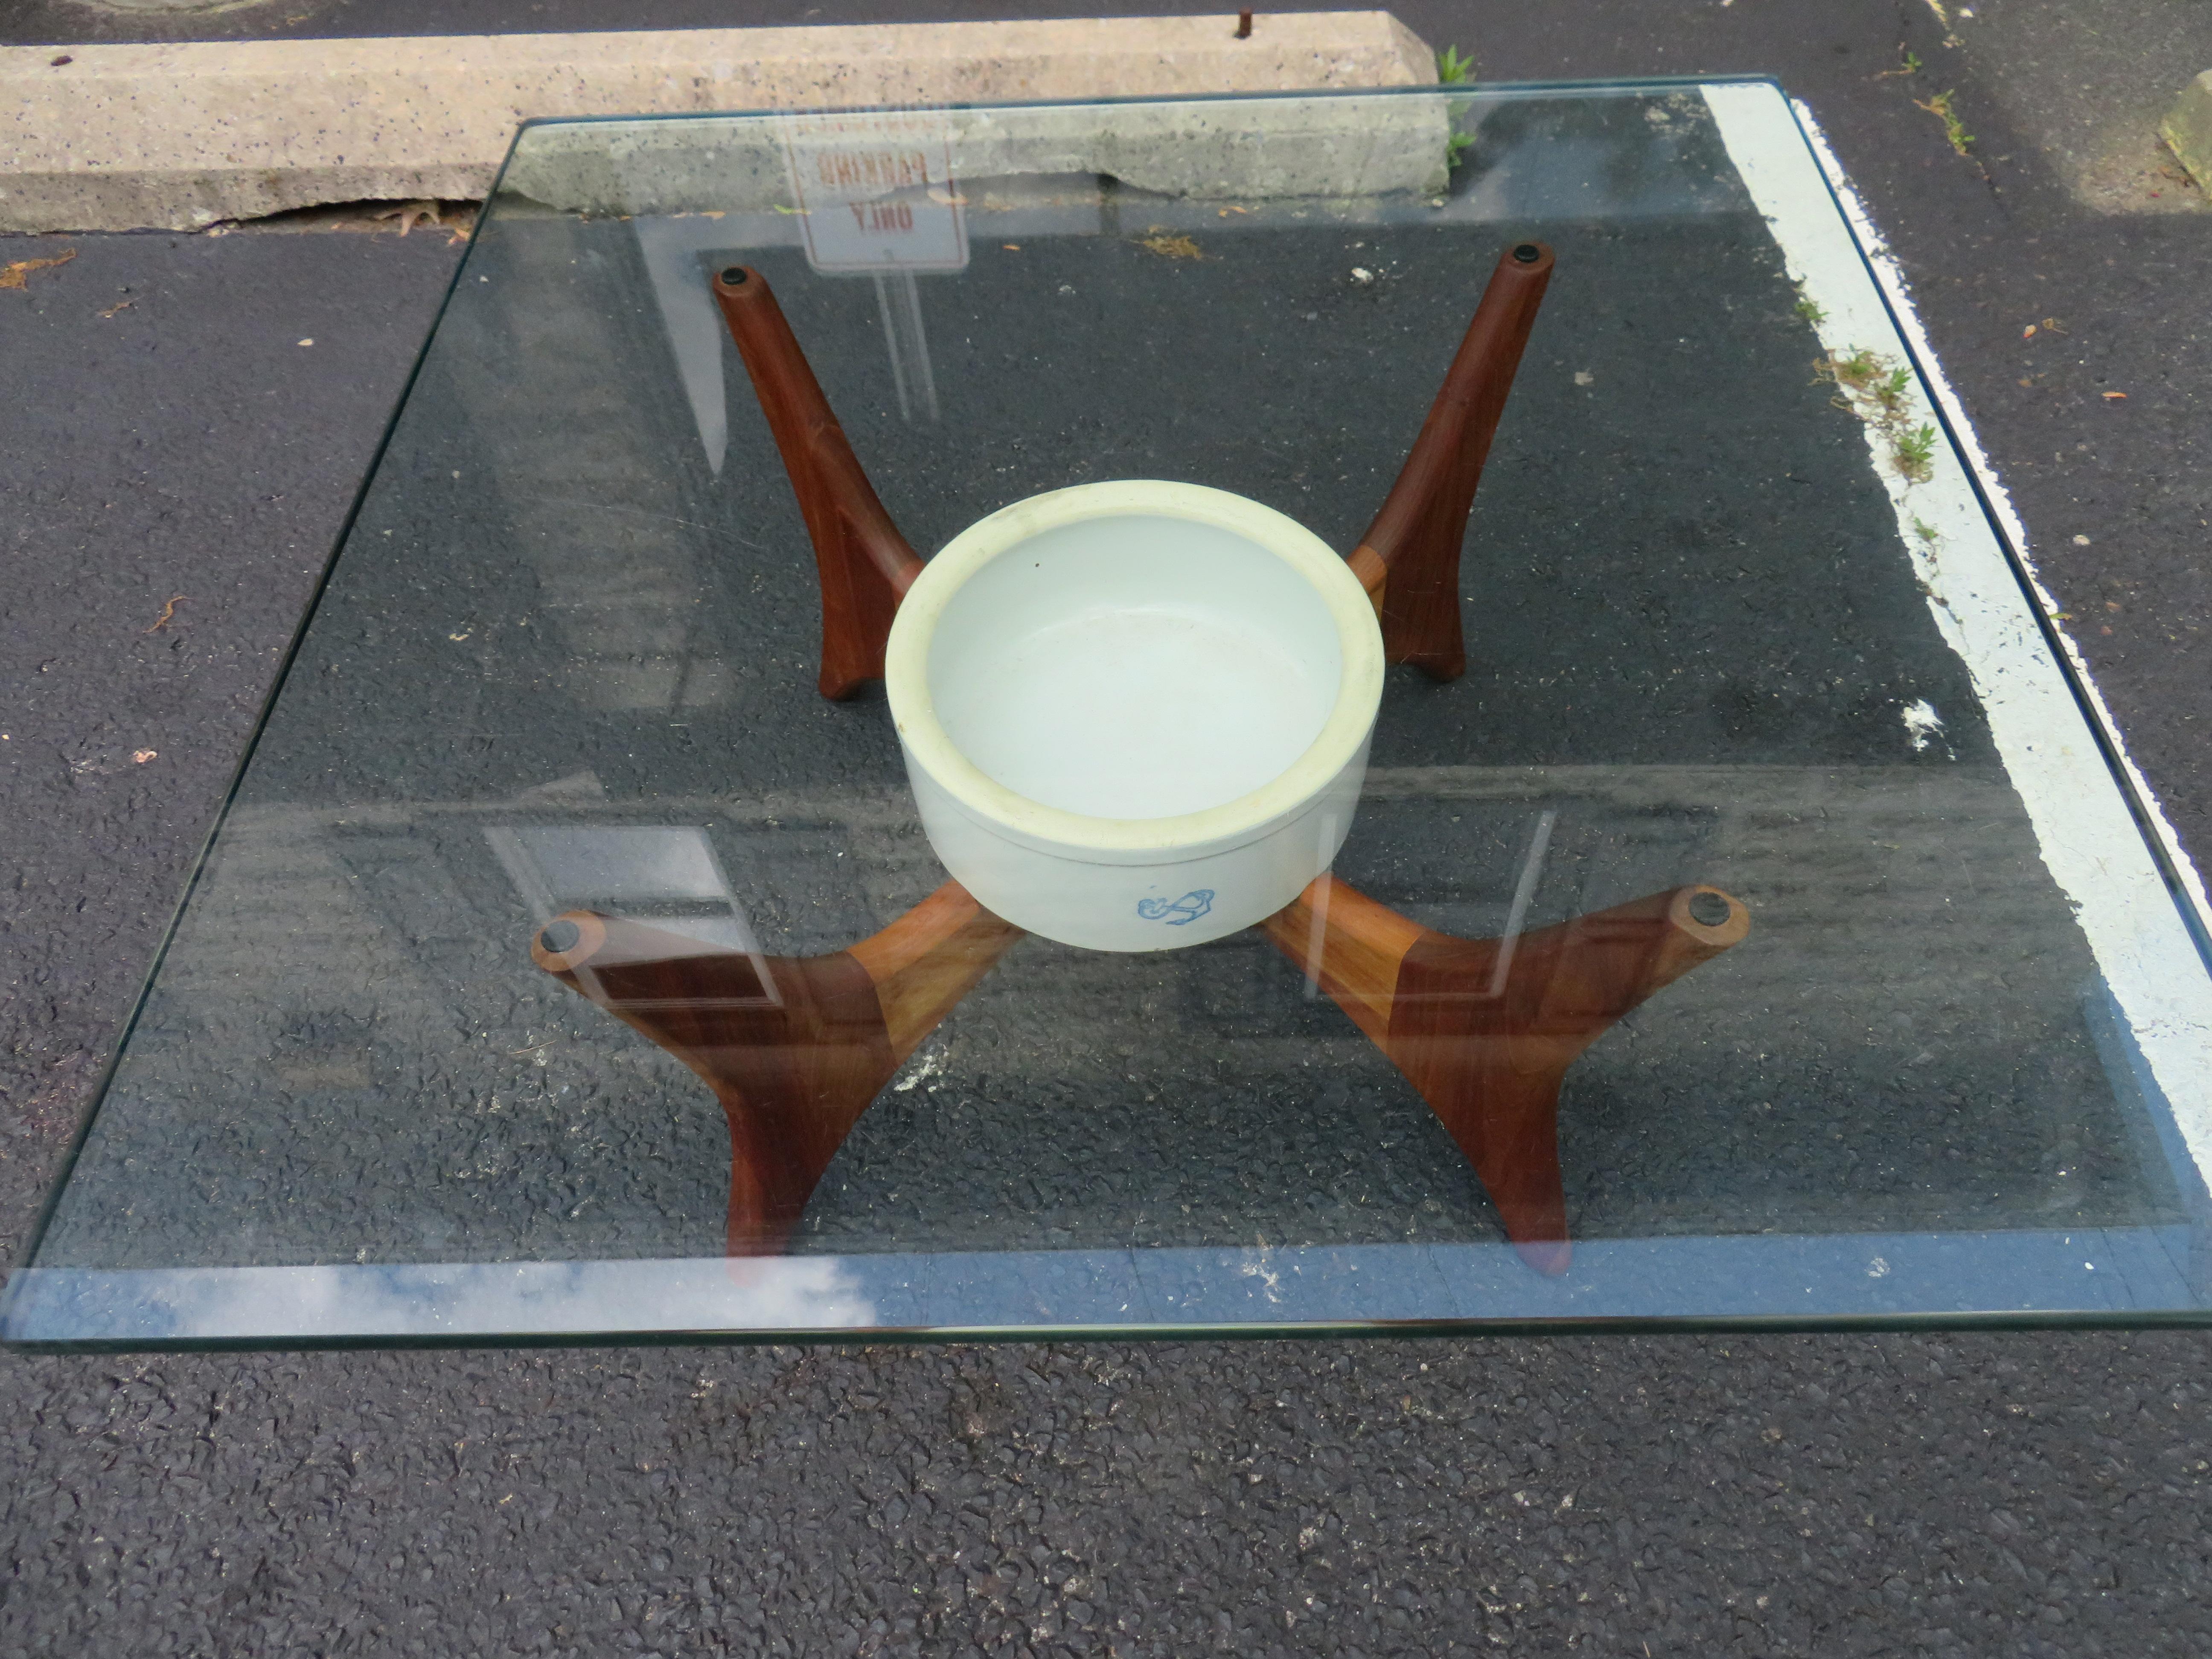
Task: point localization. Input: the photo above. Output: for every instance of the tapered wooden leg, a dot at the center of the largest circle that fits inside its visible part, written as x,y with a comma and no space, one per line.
1485,1029
865,565
1408,560
795,1047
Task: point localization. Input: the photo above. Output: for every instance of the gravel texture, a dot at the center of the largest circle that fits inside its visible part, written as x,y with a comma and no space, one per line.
2006,1494
2017,1495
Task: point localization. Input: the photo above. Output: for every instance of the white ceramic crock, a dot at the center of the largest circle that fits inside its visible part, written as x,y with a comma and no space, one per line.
1135,715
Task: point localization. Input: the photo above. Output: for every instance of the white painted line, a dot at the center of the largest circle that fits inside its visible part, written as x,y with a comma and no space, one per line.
2091,843
1899,289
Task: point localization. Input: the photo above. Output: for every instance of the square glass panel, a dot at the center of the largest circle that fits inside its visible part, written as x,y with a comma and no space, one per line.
1913,1022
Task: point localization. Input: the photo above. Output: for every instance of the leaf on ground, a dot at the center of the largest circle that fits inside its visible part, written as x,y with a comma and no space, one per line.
18,275
1168,246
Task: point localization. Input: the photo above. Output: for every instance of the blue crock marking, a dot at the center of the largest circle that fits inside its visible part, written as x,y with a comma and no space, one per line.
1178,913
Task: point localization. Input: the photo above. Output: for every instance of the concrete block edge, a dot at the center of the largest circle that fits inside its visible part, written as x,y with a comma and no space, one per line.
181,136
2187,129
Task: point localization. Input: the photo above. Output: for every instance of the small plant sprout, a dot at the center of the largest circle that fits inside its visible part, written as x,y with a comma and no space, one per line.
1808,309
1890,393
1915,453
1925,530
1855,373
1456,69
1954,129
1876,390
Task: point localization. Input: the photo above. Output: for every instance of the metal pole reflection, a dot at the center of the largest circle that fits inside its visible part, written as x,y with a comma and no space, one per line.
900,300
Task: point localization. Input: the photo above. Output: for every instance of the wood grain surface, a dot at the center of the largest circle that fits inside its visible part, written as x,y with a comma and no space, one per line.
1485,1029
1408,560
794,1048
866,564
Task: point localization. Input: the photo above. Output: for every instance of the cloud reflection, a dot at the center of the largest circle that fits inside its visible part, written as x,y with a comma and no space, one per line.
491,1299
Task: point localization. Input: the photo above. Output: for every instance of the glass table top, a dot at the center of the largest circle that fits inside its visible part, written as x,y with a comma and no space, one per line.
566,966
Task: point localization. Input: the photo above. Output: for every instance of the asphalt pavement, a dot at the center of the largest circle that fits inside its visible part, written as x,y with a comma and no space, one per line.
169,439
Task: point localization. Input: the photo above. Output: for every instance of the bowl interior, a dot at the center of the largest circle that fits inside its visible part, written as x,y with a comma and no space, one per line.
1137,665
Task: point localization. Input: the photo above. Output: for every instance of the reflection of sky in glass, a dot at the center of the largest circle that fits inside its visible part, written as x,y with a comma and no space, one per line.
487,1298
1773,1277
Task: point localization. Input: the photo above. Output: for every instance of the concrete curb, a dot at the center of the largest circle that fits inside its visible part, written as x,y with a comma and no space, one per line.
174,138
2187,129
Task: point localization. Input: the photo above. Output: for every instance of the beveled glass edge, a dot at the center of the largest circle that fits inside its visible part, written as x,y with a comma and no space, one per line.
946,1335
2110,748
2117,1274
1496,89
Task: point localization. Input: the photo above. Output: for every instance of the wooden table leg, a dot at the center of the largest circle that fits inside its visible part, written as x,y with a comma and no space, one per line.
795,1047
1485,1029
865,565
1408,560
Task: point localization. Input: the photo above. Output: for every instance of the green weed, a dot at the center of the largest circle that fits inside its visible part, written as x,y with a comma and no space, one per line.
1914,452
1855,373
1456,69
1954,129
1876,391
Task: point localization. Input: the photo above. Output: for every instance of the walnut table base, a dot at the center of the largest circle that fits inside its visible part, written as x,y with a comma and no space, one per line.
795,1049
